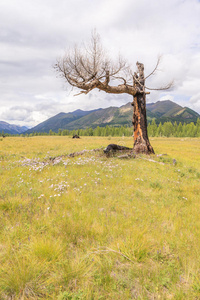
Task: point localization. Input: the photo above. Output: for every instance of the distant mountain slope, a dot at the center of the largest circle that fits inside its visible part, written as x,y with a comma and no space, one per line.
11,128
161,108
161,111
60,120
186,113
170,111
103,117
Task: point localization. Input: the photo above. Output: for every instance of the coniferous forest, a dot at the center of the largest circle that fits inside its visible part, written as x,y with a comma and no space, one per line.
167,129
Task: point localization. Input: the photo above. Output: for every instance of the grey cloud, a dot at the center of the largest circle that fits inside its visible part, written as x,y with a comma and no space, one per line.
15,114
34,33
27,114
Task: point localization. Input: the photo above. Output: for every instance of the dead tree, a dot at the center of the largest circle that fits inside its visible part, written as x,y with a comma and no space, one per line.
87,68
141,140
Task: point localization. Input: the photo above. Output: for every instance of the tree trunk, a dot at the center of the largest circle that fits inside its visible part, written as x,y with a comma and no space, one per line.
141,140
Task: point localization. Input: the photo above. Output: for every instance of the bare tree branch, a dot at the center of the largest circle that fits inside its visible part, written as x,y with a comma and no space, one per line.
156,67
88,67
165,87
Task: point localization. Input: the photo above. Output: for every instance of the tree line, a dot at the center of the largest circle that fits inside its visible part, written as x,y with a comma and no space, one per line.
167,129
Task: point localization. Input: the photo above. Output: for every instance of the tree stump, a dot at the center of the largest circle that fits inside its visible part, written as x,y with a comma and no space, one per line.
141,140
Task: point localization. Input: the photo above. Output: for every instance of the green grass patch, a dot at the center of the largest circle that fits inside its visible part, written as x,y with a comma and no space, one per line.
97,227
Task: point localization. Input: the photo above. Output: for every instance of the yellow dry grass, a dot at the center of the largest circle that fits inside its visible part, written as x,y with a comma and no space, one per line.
97,227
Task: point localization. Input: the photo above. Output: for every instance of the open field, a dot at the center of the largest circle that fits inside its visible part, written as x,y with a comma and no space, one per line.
97,227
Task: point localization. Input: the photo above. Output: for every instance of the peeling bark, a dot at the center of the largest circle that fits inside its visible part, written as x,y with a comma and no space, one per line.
141,140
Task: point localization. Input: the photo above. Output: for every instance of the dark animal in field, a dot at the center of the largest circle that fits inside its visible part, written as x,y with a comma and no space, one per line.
114,147
75,136
3,136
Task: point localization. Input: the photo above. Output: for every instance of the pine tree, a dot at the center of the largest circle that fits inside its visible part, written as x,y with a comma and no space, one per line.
175,129
180,130
159,130
167,129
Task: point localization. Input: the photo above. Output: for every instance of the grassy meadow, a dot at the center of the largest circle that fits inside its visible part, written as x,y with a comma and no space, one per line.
97,227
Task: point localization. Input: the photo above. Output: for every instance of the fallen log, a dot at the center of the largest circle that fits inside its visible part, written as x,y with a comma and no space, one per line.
75,136
114,147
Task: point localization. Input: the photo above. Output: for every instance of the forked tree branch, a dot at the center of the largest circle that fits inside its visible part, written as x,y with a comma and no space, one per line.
156,67
165,87
88,67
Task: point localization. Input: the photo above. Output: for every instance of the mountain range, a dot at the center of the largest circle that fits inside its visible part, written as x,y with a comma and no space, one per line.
161,111
11,128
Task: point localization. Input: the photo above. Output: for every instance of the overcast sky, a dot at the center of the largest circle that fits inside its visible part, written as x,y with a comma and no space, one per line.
34,33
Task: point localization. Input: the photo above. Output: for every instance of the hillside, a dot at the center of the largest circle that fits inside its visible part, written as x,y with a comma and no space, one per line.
169,111
161,108
161,111
11,128
60,120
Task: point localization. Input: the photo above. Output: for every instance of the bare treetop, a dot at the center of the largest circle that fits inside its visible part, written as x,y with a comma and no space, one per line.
89,67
